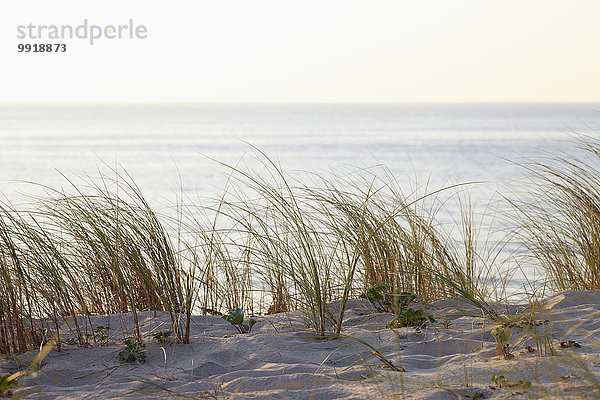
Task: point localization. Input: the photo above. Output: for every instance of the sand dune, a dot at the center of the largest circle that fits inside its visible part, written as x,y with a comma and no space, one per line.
453,358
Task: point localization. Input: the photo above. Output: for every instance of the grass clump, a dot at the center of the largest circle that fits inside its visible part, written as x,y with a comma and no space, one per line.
312,244
560,216
98,250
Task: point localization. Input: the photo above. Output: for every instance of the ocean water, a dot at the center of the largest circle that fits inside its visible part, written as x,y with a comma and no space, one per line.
169,148
162,146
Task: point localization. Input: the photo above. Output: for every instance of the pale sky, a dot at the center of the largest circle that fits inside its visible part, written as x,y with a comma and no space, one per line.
309,51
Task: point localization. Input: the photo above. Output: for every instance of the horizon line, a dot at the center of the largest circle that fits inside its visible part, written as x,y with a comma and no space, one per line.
250,103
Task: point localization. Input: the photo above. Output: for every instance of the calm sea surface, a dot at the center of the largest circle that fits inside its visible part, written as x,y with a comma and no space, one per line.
157,144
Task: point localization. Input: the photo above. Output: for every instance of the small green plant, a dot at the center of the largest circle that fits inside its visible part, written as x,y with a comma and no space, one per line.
446,323
162,337
101,335
377,296
133,352
236,318
502,335
416,319
7,382
501,381
385,301
403,299
397,302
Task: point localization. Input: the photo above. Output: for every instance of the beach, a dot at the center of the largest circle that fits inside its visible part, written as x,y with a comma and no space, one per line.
321,200
280,359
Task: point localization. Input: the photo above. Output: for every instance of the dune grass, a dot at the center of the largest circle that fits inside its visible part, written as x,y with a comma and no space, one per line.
313,241
276,242
99,248
561,218
96,251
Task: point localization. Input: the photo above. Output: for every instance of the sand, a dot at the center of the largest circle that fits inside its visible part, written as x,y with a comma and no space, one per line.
453,358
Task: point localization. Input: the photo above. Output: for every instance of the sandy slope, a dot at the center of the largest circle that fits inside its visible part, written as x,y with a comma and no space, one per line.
279,360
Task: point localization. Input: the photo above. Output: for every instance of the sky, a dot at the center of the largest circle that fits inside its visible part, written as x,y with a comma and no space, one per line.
274,51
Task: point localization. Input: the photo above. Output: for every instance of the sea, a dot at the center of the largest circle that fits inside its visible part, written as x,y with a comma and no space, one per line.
169,149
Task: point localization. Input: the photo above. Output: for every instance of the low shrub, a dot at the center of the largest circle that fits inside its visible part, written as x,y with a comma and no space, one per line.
134,351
